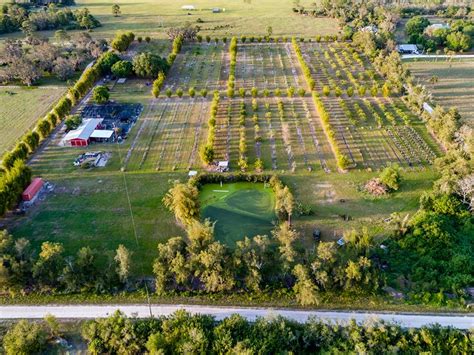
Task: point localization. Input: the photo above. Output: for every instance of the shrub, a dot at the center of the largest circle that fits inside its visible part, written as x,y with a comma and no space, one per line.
179,92
148,65
301,92
169,92
122,41
122,69
203,93
390,177
147,39
192,92
101,94
326,90
254,92
291,91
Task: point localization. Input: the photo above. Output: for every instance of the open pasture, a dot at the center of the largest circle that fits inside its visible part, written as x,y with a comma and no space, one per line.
284,133
450,81
199,66
376,132
168,135
336,64
16,117
267,66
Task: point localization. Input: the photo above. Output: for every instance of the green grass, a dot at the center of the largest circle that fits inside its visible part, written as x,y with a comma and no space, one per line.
455,86
239,210
92,210
153,18
20,109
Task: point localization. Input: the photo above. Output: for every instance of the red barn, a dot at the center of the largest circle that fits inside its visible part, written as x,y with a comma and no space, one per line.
81,136
31,192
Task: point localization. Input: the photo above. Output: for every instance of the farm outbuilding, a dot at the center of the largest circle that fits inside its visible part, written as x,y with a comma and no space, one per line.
188,7
81,136
31,192
408,49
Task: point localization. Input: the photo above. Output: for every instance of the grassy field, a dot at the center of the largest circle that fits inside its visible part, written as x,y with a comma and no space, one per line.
154,17
20,108
239,209
455,86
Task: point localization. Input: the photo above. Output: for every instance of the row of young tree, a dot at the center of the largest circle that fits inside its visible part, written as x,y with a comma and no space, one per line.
183,333
48,269
206,151
14,17
178,41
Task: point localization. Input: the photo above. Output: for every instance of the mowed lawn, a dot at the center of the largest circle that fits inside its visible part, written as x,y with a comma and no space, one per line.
238,209
455,86
91,209
20,109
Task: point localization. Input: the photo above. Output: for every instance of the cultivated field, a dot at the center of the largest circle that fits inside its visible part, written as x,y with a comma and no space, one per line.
455,84
338,64
284,133
267,66
370,129
199,66
16,117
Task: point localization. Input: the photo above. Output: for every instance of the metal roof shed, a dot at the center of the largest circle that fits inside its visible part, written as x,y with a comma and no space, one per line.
31,192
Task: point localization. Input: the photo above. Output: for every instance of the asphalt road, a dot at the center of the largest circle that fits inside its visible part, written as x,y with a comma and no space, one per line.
142,311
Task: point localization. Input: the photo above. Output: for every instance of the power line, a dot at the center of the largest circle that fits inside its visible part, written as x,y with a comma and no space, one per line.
122,170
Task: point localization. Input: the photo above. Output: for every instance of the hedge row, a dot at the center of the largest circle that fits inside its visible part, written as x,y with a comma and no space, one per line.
342,160
177,44
122,41
306,71
12,184
207,150
233,62
158,83
30,141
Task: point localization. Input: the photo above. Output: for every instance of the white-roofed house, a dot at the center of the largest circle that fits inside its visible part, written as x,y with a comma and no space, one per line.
188,7
408,49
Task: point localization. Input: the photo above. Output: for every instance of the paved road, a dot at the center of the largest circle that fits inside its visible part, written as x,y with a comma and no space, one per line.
142,311
439,56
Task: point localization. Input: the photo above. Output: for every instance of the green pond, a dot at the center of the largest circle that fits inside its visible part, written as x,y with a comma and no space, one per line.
239,209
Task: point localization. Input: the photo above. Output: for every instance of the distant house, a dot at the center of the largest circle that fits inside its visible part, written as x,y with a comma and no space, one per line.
408,49
188,7
370,28
437,26
216,10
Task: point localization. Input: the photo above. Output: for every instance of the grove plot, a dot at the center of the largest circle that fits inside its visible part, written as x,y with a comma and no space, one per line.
283,132
375,132
202,66
169,135
267,66
338,65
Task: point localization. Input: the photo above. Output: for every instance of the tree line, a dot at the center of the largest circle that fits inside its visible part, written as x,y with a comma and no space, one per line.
182,332
49,270
14,17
